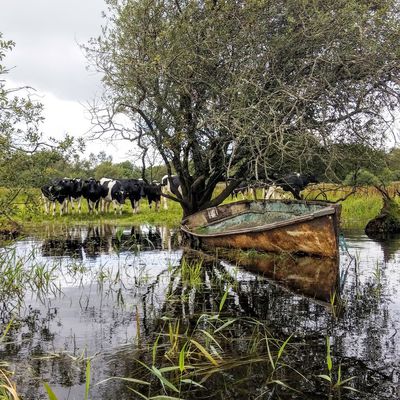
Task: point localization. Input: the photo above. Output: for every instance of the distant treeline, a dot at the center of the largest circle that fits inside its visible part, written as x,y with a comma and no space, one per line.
23,169
34,170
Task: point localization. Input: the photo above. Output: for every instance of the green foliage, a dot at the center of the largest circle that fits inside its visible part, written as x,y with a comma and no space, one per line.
234,85
361,177
339,383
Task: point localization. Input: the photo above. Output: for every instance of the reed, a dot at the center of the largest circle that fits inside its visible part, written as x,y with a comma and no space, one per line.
8,389
335,380
191,272
22,274
187,352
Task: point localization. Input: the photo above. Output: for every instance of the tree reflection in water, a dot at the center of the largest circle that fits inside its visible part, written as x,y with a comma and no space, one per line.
113,279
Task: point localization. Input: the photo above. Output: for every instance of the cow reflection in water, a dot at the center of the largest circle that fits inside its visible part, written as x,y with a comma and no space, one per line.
92,241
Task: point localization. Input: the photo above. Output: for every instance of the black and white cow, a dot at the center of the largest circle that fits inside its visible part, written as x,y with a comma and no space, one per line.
75,192
61,191
53,193
153,193
170,185
294,183
112,192
91,191
134,191
275,192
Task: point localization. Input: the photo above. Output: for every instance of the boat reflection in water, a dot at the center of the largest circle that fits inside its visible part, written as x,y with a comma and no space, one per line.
315,277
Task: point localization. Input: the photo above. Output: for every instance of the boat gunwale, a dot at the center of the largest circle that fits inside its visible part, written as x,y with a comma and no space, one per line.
327,210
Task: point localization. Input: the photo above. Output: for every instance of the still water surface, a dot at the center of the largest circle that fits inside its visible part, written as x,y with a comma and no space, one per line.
109,287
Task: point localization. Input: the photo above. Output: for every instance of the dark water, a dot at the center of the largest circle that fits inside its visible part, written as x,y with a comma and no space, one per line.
111,288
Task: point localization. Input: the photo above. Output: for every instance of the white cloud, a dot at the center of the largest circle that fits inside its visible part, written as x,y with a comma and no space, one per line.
48,58
63,116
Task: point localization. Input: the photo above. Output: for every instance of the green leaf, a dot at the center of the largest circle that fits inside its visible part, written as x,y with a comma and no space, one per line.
328,354
278,382
351,388
210,337
282,348
189,381
347,380
205,352
163,379
230,322
221,304
326,377
50,393
182,355
271,360
155,346
139,394
87,385
339,375
131,380
6,330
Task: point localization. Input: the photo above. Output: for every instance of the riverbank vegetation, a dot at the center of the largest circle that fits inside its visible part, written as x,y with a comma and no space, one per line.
27,209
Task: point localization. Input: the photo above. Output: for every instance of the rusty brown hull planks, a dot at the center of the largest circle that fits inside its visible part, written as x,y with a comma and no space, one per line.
273,226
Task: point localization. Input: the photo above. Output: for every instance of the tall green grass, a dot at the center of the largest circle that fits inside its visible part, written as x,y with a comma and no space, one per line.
28,210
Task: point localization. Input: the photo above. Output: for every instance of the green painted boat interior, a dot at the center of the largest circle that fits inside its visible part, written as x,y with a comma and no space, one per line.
260,215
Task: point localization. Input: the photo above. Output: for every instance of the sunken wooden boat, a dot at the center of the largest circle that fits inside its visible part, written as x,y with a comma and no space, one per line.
278,226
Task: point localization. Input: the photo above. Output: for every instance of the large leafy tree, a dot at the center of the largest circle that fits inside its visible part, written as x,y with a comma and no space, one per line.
20,115
240,88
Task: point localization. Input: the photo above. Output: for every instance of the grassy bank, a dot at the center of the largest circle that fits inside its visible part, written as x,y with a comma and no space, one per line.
27,210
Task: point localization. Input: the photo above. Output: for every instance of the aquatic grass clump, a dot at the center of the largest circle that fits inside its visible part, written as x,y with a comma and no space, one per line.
52,396
336,383
8,389
185,361
191,272
188,351
22,274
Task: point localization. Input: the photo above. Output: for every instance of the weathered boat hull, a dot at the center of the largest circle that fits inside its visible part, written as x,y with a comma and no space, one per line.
314,232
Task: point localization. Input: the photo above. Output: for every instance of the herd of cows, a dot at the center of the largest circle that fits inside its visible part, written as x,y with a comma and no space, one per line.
101,193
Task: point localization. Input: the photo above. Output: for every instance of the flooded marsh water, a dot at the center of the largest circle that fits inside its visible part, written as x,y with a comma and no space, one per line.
132,303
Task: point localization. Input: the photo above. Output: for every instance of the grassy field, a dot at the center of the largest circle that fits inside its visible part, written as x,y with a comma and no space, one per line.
28,210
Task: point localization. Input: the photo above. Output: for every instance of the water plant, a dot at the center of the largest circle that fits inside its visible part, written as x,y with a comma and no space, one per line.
336,383
377,273
191,272
20,274
52,396
8,390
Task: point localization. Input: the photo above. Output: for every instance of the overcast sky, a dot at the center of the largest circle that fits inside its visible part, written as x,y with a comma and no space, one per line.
48,58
